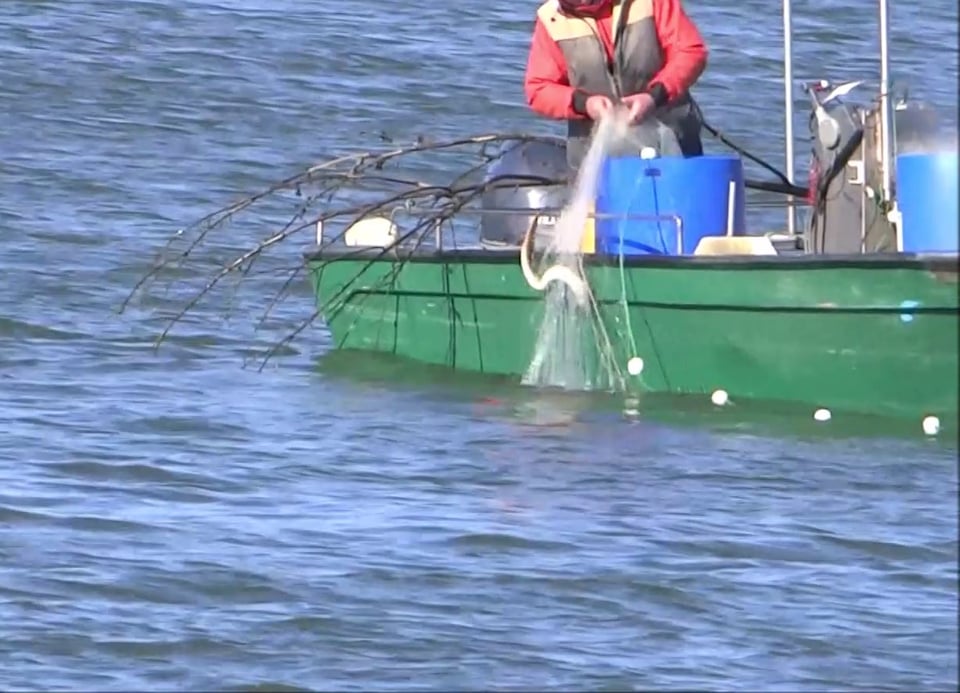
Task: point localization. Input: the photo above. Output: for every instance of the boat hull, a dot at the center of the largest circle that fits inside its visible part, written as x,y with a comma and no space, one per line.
870,334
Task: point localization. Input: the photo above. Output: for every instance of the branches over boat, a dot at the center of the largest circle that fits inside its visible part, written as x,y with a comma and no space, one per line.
429,181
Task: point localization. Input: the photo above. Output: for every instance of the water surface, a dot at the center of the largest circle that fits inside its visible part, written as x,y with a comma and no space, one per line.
173,520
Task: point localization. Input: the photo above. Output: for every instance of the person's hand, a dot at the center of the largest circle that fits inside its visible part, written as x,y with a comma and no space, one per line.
639,107
598,106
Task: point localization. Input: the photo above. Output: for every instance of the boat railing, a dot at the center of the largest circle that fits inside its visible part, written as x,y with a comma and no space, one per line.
538,217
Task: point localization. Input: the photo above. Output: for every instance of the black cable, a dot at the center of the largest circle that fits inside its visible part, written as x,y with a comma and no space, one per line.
775,187
785,187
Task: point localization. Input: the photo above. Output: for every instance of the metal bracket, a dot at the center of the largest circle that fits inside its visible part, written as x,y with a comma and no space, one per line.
859,177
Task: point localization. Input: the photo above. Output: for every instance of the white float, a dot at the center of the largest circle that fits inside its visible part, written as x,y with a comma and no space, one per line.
931,425
719,397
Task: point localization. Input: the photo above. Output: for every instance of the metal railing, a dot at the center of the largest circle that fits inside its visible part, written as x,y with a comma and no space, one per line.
540,214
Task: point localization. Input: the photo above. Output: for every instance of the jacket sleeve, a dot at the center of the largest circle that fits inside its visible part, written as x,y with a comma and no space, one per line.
684,50
545,83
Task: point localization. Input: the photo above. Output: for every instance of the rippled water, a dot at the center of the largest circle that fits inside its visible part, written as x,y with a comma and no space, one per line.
172,520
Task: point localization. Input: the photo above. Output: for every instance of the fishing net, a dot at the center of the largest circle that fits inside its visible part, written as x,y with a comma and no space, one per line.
574,349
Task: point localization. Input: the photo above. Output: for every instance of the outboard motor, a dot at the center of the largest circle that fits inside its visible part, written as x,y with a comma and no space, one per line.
846,174
544,159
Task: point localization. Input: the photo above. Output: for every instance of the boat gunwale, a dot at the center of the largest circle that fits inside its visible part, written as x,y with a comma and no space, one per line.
936,262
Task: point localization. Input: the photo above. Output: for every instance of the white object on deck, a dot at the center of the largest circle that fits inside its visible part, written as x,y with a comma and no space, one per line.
371,231
719,397
822,415
635,366
735,245
730,244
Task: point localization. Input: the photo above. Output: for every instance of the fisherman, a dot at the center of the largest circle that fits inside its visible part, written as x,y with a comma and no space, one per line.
590,56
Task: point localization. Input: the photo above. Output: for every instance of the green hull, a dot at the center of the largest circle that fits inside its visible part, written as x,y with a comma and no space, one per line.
876,335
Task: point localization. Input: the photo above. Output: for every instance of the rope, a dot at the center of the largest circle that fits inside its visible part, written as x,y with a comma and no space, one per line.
555,273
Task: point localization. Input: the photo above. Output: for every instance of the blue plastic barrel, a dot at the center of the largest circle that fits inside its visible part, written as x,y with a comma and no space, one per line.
927,198
695,189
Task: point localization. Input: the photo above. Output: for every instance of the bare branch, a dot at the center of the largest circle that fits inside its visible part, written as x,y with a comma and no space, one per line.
338,193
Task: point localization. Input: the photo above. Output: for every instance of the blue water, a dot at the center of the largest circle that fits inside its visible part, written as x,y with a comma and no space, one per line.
173,520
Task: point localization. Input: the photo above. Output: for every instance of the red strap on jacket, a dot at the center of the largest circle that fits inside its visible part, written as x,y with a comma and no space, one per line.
548,89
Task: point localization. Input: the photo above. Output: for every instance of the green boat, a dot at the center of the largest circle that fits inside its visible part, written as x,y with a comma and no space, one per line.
848,313
865,334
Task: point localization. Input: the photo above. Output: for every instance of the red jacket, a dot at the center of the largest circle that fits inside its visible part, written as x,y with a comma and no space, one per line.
549,92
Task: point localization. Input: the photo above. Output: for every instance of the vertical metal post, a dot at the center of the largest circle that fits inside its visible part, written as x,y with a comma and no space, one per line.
886,139
788,106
